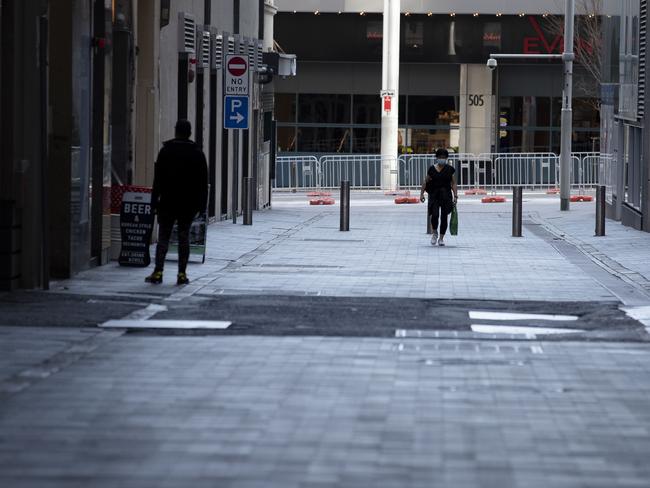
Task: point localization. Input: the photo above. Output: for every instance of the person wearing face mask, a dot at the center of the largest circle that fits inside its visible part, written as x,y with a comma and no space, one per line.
440,184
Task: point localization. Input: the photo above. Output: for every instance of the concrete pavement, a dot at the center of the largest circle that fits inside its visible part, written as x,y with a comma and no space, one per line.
298,249
351,361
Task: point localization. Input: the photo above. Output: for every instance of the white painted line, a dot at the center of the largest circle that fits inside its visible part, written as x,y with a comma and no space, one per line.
482,315
527,331
166,324
642,314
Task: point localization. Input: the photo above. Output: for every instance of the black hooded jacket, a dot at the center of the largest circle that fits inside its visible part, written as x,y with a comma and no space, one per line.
180,184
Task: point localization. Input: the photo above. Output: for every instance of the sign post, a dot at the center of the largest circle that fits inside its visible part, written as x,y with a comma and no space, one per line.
136,224
236,111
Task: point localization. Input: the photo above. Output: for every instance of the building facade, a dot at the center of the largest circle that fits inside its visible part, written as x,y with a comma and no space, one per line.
89,91
625,136
447,96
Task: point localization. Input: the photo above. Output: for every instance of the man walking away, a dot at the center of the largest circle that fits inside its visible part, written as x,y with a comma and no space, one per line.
440,184
180,191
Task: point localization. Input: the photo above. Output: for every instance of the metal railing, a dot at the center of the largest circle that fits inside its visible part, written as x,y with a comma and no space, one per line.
363,171
489,171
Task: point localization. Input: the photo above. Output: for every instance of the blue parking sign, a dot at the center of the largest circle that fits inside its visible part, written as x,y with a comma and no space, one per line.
235,112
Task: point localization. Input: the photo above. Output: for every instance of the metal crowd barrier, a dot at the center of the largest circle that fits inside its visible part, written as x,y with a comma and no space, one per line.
363,171
297,173
489,171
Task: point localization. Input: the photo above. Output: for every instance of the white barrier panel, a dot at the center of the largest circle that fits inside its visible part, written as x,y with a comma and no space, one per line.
363,171
296,173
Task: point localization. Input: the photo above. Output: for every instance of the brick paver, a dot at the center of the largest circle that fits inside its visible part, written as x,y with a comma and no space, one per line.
315,412
298,249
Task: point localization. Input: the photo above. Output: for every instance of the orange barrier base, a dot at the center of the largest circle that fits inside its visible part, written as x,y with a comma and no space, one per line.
493,200
553,191
319,194
398,193
322,201
581,198
476,191
401,200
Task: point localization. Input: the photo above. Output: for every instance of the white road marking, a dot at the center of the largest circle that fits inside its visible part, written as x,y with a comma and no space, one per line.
642,314
165,324
527,331
483,315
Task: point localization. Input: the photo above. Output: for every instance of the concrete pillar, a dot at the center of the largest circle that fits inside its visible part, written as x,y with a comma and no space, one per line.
147,107
390,94
269,12
476,109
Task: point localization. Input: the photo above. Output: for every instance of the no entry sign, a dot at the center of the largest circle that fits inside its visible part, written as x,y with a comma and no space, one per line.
236,75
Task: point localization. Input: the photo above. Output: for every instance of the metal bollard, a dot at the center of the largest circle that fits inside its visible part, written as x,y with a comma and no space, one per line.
248,201
345,206
517,194
600,211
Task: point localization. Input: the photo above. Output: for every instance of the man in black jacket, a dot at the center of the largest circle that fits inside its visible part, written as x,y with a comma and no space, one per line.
180,191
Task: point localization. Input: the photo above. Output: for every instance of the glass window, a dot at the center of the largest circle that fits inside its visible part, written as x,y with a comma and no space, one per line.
367,141
426,141
586,113
428,110
285,107
286,139
526,111
324,139
324,108
366,109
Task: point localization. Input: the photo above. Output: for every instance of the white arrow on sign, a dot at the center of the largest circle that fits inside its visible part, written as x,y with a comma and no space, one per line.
237,118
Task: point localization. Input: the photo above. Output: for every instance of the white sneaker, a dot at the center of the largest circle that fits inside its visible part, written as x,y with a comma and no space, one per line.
441,242
434,238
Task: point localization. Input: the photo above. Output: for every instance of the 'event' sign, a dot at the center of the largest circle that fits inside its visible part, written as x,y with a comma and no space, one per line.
136,224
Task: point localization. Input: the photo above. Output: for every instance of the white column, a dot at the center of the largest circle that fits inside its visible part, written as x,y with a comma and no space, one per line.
269,12
567,111
390,86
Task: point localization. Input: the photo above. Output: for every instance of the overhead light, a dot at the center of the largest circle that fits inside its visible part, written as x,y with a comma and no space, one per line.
317,12
362,13
429,14
339,12
453,14
407,14
522,14
475,14
545,14
499,14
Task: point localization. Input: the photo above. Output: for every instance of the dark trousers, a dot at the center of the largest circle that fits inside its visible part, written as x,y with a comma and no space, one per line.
165,227
439,210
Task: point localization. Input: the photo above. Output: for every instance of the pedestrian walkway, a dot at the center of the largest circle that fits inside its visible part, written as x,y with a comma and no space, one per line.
298,249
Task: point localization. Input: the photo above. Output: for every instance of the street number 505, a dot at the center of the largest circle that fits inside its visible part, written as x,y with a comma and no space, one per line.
476,100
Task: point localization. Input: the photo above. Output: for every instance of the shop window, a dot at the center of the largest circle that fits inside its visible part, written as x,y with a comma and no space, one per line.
427,141
285,107
367,141
428,110
366,109
324,139
586,113
286,139
324,108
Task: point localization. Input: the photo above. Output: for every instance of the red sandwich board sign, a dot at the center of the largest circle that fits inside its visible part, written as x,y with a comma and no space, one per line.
236,75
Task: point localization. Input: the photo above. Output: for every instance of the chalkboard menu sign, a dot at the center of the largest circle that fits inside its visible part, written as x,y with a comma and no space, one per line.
136,224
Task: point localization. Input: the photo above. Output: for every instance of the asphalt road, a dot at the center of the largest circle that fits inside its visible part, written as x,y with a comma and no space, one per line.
279,315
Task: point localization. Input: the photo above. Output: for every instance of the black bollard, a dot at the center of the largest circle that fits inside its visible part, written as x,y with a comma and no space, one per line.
345,206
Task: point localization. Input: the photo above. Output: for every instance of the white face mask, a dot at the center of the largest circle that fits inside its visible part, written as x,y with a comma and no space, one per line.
441,162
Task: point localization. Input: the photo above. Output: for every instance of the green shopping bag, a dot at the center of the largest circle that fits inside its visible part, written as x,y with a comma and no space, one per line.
453,222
